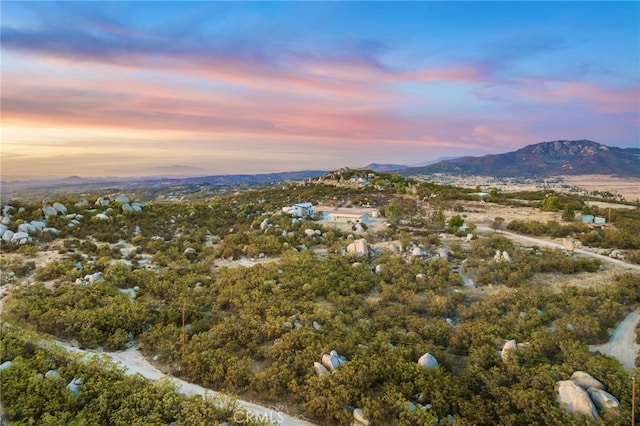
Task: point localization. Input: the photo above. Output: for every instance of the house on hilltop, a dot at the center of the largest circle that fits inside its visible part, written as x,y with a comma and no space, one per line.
347,217
303,210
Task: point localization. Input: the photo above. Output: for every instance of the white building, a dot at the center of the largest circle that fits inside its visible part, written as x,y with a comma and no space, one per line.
303,210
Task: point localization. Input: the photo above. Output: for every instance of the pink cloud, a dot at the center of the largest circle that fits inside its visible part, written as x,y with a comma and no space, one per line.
326,100
596,97
461,74
603,99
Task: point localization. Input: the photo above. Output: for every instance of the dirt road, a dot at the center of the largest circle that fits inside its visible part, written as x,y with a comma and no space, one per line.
135,363
622,344
523,239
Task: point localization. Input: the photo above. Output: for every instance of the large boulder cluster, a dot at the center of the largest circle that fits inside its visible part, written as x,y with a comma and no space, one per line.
394,247
17,231
329,363
90,278
582,393
121,201
501,256
128,207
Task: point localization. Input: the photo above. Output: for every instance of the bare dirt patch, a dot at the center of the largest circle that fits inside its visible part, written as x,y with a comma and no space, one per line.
603,205
582,279
243,261
622,344
482,213
46,254
627,187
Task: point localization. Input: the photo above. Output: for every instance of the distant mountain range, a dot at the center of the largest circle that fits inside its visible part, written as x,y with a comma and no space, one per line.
76,183
386,168
562,157
543,159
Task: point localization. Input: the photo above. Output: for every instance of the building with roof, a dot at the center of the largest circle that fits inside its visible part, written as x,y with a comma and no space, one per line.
303,210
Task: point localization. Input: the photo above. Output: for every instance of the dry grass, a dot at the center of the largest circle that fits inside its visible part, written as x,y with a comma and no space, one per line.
627,187
582,279
484,213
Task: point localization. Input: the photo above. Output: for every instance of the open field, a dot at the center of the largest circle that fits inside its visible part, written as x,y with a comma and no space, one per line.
482,213
627,187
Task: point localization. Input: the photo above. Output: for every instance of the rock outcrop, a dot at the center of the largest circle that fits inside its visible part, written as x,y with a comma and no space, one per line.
61,208
7,235
428,361
575,399
52,374
359,419
102,202
392,246
443,252
603,400
332,361
75,386
586,380
586,395
20,237
501,256
320,369
506,348
49,211
358,247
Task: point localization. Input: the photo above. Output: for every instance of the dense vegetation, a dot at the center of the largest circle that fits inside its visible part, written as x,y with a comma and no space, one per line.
257,330
36,389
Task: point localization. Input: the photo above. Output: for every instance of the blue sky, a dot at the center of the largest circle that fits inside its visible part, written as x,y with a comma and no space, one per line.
120,88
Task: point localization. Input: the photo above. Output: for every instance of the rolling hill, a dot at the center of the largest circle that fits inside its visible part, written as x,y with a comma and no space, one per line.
562,157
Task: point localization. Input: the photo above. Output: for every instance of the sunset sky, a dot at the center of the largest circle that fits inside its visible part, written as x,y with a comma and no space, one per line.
132,89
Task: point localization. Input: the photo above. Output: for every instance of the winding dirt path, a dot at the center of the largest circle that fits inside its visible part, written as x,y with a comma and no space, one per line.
524,239
622,344
135,363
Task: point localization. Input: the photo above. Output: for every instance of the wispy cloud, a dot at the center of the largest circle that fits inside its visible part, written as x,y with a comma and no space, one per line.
207,74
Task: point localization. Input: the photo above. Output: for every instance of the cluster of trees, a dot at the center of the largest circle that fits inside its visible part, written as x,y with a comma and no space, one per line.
625,235
552,228
95,315
107,395
523,264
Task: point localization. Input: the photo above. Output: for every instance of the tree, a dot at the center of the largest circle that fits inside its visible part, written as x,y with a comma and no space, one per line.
550,204
568,214
456,222
438,219
497,223
393,212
